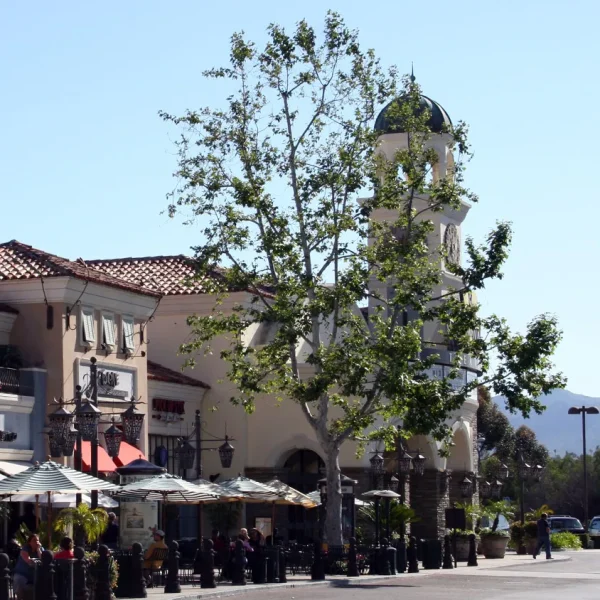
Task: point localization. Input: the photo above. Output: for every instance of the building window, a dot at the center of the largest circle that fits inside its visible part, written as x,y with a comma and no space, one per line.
128,341
87,329
109,342
169,443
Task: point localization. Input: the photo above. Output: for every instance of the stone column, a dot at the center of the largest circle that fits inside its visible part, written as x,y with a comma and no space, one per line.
429,495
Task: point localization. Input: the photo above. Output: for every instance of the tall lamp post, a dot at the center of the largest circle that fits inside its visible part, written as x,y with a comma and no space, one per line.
584,410
526,472
186,453
68,429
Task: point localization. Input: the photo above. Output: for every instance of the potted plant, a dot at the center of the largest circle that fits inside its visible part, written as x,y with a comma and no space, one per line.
493,540
530,532
461,537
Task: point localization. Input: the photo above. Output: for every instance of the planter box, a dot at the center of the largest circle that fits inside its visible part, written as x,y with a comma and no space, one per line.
494,546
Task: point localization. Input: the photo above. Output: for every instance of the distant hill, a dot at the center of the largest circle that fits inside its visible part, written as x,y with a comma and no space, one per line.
557,430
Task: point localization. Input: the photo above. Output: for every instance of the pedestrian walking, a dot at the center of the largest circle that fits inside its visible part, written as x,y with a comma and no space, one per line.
543,537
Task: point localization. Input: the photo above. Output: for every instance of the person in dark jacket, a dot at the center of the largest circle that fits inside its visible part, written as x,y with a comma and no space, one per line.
543,537
110,537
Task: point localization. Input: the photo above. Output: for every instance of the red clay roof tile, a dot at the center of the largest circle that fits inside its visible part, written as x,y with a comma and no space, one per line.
159,373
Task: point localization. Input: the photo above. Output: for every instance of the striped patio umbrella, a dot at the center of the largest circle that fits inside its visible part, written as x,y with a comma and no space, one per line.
48,478
249,490
291,494
169,489
60,500
224,495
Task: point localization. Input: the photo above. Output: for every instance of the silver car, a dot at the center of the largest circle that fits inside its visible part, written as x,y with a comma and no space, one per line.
594,528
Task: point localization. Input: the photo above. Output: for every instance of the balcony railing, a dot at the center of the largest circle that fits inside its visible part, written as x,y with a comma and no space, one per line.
10,381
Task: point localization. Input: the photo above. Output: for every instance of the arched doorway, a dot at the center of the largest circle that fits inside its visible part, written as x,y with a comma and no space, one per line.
303,469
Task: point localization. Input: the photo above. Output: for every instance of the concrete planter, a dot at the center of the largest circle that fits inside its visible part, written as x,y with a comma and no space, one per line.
494,546
462,549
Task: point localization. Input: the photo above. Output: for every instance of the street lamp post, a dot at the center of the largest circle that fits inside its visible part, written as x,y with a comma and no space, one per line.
186,454
584,410
526,471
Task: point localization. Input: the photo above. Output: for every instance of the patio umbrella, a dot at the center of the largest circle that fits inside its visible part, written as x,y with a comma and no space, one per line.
60,500
167,488
249,490
48,478
316,497
224,495
290,496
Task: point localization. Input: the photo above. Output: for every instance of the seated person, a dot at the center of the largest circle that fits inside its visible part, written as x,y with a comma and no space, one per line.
159,542
66,549
24,574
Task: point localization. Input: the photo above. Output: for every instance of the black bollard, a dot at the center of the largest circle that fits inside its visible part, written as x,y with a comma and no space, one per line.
44,584
207,568
383,567
80,567
238,575
138,581
272,555
172,586
448,560
317,570
282,566
4,577
391,559
103,589
401,560
413,563
352,559
472,562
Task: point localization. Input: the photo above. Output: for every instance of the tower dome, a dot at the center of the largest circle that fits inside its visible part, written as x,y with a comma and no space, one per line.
387,123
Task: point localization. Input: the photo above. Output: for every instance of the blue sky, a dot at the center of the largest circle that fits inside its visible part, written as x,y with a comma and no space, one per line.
85,162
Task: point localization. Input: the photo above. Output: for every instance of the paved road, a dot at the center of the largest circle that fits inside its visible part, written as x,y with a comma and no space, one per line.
546,580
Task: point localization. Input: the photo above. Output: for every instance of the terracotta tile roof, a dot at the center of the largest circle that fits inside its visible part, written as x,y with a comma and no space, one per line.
5,308
170,275
21,262
157,372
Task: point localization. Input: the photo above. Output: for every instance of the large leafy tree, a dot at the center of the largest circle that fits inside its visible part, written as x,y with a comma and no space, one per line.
274,174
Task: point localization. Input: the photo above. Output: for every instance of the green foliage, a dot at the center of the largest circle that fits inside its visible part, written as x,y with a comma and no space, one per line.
399,514
585,539
536,514
225,516
489,532
473,513
565,541
530,530
495,509
23,533
517,534
274,174
90,521
92,557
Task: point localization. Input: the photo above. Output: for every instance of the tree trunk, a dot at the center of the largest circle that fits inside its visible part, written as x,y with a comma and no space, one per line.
333,519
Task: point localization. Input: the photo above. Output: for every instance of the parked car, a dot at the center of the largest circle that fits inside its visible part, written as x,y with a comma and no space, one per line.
594,528
566,523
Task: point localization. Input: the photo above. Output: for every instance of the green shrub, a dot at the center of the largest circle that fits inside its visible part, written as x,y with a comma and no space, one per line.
565,541
585,539
489,532
530,530
517,534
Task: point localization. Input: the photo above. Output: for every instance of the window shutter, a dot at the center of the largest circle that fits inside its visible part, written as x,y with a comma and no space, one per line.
108,329
87,318
128,339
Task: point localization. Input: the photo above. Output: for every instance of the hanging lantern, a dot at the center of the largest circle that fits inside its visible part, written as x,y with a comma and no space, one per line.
112,438
524,469
503,471
485,488
88,417
394,483
419,463
133,421
226,451
69,445
60,424
377,461
466,487
496,489
186,454
538,471
55,448
404,462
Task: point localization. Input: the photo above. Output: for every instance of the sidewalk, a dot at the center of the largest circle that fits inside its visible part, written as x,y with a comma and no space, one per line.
189,592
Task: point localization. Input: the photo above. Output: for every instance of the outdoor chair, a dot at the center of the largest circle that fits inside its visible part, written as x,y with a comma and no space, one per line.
158,555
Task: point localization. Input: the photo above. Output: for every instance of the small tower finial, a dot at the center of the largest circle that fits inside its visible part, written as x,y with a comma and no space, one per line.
412,72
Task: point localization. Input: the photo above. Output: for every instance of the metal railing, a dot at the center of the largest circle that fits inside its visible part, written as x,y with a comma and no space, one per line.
10,381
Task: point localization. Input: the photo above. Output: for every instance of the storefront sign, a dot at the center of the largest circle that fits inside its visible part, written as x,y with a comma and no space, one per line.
113,382
168,410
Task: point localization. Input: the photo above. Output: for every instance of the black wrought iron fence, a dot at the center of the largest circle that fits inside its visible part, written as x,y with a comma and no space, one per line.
9,381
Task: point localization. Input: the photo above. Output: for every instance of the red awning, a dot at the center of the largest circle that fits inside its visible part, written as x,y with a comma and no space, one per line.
105,463
127,453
